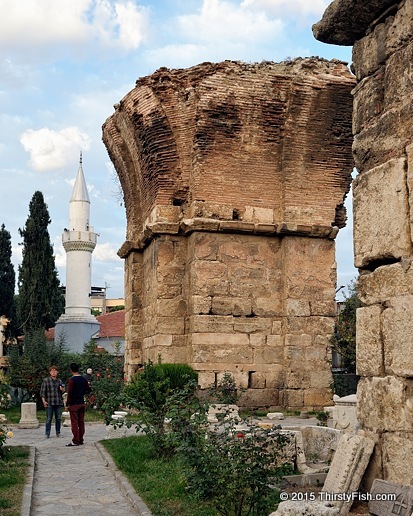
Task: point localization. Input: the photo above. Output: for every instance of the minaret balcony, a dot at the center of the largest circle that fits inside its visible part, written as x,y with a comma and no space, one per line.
79,240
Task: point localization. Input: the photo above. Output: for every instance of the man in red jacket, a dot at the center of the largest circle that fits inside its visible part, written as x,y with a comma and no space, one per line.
77,387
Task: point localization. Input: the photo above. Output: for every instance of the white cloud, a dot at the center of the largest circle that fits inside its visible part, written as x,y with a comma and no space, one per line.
51,149
51,24
132,21
59,254
222,21
16,257
283,8
105,253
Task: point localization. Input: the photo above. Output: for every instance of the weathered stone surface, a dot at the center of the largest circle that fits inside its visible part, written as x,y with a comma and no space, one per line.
385,139
318,443
234,177
28,417
402,504
369,342
346,21
385,404
397,330
293,508
378,195
386,282
344,413
382,42
347,468
397,451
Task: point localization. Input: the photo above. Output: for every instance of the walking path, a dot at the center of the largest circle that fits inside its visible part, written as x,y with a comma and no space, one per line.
81,480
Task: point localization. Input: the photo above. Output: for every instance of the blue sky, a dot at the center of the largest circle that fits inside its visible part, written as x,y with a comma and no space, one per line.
65,63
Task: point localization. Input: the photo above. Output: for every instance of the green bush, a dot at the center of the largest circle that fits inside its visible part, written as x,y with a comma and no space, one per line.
151,393
345,384
237,471
225,391
107,378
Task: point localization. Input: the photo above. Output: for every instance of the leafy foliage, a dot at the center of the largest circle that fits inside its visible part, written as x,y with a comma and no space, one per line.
7,280
107,377
5,398
29,366
225,391
151,393
344,338
236,470
40,301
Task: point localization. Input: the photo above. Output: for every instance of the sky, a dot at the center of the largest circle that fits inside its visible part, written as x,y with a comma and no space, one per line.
65,63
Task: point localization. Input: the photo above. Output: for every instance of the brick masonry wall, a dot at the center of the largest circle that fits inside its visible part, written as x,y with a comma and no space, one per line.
234,178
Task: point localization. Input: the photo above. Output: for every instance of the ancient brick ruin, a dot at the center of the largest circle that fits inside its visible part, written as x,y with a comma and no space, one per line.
234,177
382,35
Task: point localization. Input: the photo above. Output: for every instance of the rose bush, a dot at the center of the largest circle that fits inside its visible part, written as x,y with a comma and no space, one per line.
4,434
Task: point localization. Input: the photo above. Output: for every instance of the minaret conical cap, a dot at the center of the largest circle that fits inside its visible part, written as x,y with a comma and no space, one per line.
80,192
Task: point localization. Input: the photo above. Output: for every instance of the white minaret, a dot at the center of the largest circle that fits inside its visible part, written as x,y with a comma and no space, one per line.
77,325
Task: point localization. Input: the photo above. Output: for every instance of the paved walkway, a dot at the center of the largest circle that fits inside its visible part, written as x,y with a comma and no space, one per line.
81,480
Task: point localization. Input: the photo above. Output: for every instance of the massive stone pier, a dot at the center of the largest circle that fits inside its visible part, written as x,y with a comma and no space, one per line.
234,177
381,33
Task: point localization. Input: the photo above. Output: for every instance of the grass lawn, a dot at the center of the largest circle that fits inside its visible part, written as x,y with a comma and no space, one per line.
159,482
13,472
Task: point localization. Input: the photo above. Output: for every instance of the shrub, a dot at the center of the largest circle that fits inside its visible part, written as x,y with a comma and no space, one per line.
107,377
5,398
4,434
151,393
236,470
225,391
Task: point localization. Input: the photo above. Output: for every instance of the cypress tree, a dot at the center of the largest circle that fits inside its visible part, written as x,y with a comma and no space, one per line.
7,275
41,301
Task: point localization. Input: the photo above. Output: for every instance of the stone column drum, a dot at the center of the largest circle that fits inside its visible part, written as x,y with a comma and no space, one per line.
234,177
28,417
382,35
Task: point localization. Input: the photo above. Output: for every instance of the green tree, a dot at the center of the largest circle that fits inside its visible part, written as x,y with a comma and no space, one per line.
7,279
41,301
344,338
28,368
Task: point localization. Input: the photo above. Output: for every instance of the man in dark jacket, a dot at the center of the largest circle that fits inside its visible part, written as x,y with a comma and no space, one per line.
77,387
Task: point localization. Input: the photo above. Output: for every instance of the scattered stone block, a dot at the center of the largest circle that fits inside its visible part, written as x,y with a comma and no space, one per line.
305,480
116,432
66,419
275,415
316,446
292,508
28,416
347,468
344,413
401,505
218,409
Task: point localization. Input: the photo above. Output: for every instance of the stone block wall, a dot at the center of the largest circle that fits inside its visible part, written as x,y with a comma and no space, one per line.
382,35
234,177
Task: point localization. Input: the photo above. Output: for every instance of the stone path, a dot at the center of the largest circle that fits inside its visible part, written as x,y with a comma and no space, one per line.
82,480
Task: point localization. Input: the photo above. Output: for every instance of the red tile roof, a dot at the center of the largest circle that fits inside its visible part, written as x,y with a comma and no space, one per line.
112,324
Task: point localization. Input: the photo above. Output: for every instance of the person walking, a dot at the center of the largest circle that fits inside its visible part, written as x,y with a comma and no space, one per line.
77,387
51,392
